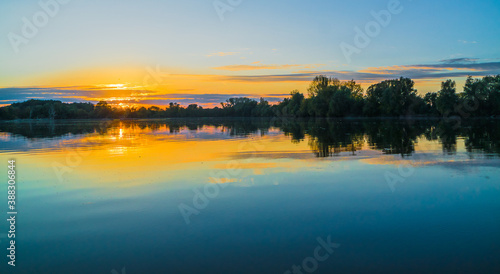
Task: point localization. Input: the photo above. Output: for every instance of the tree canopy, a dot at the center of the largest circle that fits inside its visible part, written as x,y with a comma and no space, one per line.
327,97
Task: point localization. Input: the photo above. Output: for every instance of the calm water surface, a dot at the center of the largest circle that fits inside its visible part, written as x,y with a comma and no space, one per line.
254,196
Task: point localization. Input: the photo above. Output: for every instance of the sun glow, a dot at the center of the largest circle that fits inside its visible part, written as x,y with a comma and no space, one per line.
124,106
116,86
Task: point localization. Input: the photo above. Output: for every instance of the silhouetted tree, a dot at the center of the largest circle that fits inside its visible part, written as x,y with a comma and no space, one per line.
390,97
447,98
328,97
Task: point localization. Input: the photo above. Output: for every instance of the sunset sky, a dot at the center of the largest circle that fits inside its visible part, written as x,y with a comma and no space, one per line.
205,51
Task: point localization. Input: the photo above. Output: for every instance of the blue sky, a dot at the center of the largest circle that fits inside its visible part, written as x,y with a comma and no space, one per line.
260,48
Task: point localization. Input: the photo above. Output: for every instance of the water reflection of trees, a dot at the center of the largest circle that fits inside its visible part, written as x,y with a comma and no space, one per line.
482,137
53,129
332,137
326,137
393,136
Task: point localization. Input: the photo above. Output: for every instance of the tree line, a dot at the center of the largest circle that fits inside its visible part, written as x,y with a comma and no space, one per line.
327,97
325,137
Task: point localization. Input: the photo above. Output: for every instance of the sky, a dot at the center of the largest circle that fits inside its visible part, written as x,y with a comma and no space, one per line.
203,51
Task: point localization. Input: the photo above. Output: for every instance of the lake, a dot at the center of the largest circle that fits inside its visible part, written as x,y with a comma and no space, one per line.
254,196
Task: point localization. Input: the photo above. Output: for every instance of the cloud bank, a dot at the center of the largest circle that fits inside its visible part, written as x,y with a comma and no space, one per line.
444,69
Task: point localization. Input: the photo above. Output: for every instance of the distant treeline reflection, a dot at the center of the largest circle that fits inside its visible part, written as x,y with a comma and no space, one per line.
326,137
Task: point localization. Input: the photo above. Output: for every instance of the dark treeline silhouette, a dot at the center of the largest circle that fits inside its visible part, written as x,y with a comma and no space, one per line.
327,97
325,137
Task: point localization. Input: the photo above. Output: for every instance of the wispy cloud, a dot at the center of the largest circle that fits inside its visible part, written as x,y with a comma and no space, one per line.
259,66
185,94
467,42
459,60
222,54
130,97
451,68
